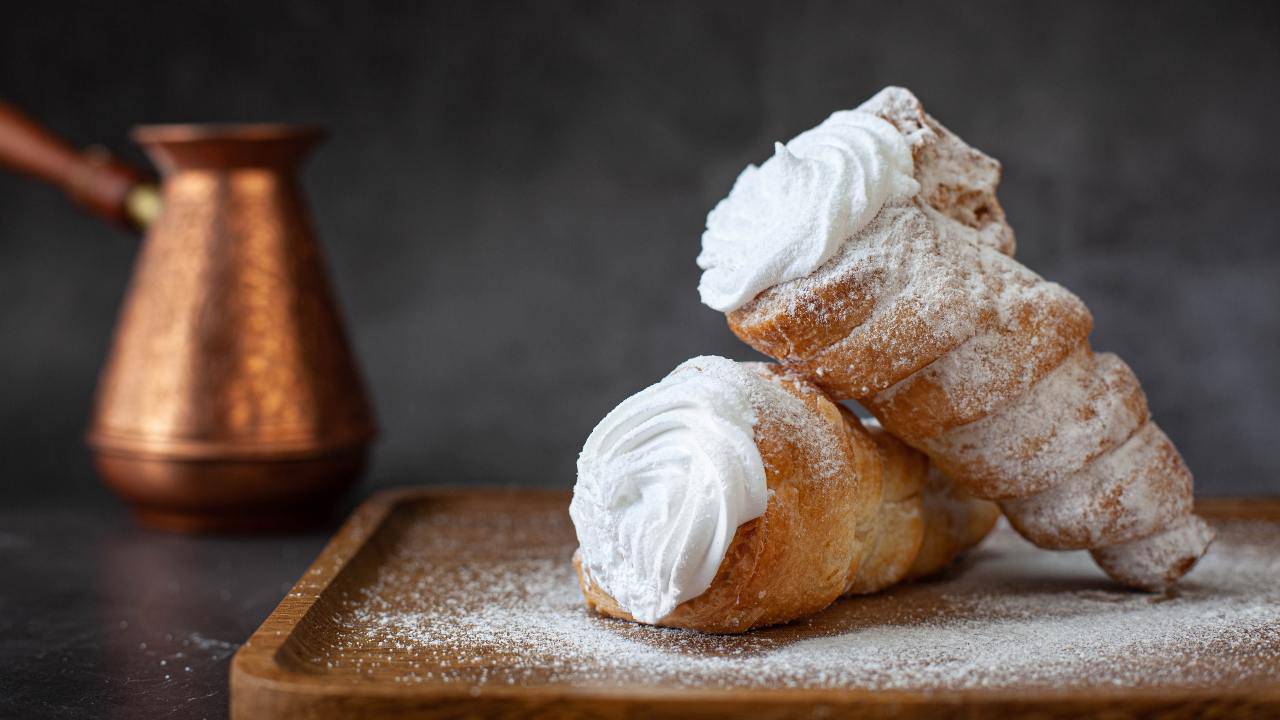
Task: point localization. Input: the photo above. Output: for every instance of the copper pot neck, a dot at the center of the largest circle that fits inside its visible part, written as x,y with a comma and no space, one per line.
227,145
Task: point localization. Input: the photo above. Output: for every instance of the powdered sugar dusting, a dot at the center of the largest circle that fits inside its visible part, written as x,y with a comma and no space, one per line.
955,178
440,608
775,405
1134,491
1155,562
1086,406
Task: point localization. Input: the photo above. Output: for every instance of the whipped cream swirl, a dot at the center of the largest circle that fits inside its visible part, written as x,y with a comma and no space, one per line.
784,219
664,481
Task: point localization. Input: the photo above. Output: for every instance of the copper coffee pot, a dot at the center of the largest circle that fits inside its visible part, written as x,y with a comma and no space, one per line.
230,398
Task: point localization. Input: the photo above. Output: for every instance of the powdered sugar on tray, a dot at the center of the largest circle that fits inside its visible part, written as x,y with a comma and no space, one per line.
1014,616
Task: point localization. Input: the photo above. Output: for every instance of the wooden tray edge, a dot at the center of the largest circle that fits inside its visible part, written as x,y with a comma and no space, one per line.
262,687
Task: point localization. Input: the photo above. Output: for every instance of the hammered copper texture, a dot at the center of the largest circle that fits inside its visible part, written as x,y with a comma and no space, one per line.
229,358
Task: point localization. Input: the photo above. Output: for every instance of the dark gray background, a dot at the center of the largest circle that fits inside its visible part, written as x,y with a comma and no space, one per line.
513,195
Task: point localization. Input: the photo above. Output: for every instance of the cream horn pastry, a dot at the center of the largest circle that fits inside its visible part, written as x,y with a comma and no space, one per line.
870,254
730,496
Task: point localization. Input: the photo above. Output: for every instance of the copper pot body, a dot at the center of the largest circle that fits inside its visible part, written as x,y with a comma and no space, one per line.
231,398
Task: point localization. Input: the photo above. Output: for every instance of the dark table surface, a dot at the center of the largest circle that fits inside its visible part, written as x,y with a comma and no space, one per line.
102,619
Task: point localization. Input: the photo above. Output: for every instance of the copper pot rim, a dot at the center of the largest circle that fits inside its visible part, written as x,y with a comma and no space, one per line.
171,133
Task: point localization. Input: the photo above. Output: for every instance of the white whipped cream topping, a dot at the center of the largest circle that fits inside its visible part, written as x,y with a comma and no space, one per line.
664,481
787,217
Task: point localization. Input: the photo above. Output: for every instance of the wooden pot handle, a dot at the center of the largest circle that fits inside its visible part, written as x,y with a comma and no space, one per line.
92,177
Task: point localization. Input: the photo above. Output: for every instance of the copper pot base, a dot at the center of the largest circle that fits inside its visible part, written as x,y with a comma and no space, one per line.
231,495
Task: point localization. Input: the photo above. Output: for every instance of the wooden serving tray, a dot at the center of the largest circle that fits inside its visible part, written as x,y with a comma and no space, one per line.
450,603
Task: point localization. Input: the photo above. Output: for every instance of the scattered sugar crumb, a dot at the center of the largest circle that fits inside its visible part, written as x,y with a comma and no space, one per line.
441,609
